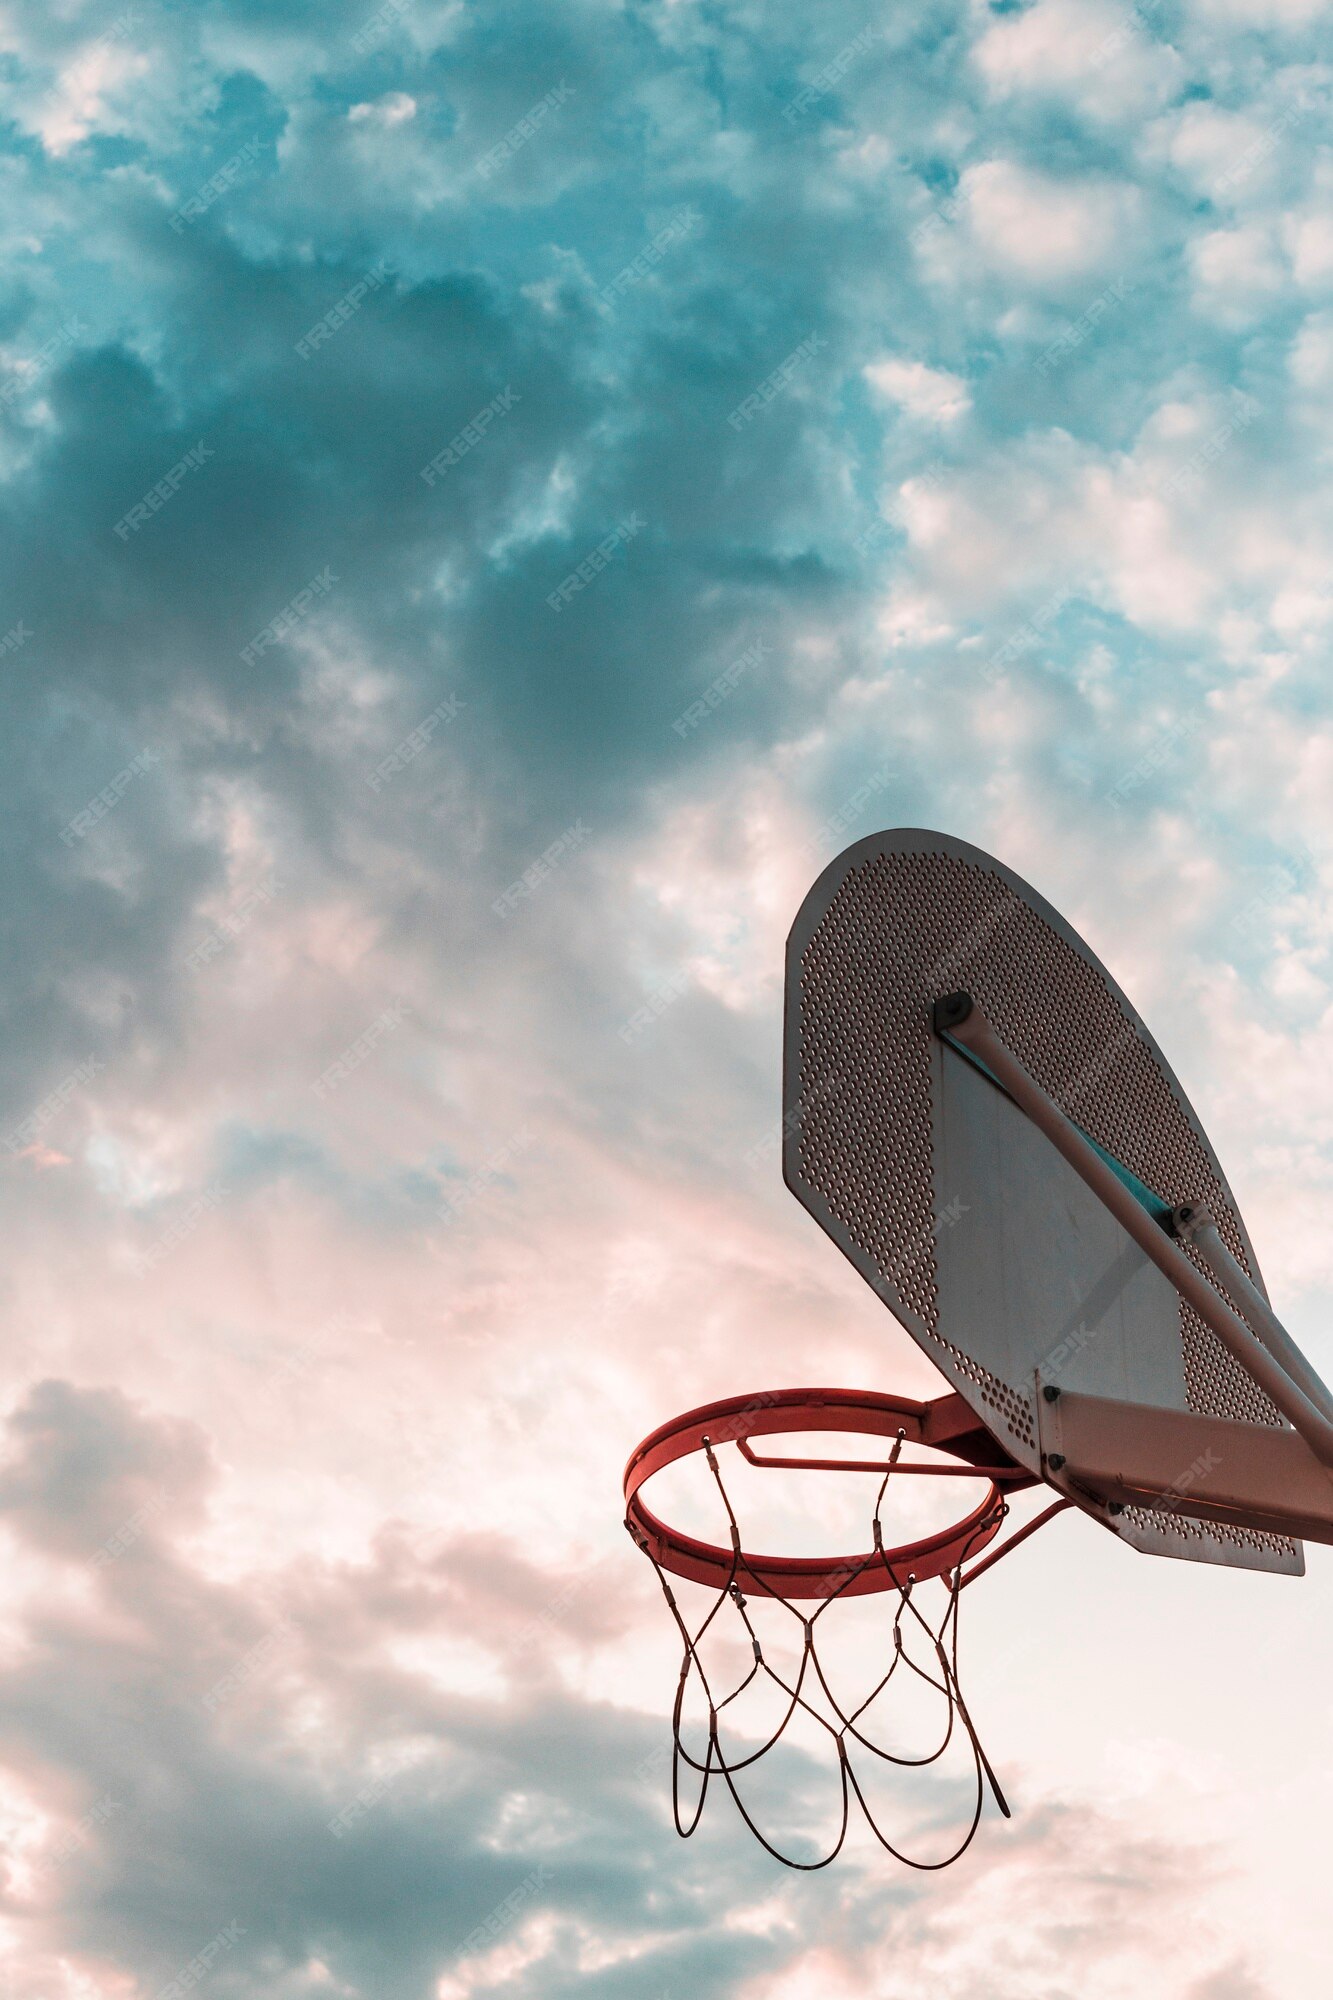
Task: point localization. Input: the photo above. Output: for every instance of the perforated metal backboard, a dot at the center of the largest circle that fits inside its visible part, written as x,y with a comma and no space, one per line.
969,1225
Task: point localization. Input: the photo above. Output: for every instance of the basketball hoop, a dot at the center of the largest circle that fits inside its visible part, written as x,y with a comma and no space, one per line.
738,1575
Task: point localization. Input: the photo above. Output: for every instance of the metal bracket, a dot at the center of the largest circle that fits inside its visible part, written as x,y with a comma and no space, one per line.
1060,1466
1050,1431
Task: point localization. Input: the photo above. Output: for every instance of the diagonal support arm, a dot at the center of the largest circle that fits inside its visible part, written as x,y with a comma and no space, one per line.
1192,1222
958,1018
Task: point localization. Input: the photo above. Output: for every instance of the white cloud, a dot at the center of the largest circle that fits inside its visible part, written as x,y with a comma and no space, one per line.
1237,273
931,393
1311,238
1173,533
392,109
1092,53
1311,358
92,94
1048,231
1208,143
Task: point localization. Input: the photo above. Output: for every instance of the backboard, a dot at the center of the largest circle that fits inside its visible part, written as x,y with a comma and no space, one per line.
968,1224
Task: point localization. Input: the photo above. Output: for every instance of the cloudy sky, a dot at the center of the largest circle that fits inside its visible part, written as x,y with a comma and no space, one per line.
494,499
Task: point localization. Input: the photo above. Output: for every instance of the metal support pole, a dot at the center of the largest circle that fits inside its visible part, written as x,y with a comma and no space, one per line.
959,1017
1196,1225
1039,1521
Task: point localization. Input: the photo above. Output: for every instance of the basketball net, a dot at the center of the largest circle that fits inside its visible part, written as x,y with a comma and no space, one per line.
922,1645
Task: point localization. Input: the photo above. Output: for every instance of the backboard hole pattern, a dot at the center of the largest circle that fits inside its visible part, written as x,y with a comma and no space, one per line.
863,1088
